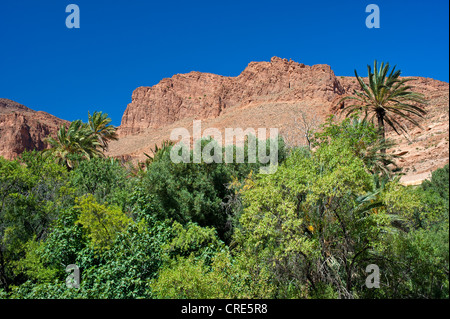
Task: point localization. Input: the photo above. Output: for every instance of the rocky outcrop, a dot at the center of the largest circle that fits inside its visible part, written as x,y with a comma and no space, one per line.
183,95
204,95
24,129
273,94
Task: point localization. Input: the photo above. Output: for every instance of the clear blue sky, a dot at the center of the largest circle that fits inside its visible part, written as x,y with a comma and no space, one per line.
122,45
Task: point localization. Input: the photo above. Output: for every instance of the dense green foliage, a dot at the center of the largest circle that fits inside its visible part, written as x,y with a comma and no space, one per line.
217,230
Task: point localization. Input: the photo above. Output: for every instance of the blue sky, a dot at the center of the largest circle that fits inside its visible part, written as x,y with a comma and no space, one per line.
122,45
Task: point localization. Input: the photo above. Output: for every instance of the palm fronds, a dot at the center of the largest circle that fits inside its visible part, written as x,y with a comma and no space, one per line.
387,98
82,140
99,123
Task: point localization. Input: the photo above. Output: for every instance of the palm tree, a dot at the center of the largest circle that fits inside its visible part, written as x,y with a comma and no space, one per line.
386,97
158,152
99,123
74,141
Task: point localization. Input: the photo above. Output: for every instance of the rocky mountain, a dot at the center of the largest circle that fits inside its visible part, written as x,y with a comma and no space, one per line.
280,93
206,96
23,129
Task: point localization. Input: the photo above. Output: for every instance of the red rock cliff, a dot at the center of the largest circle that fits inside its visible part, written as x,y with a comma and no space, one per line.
204,95
23,129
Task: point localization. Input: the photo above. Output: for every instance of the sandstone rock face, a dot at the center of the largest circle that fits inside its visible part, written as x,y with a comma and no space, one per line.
273,94
173,99
204,95
24,129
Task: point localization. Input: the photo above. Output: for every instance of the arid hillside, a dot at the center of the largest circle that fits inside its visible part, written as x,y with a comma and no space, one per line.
279,94
23,129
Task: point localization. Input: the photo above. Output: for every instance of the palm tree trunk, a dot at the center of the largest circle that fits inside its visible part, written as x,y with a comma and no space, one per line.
380,118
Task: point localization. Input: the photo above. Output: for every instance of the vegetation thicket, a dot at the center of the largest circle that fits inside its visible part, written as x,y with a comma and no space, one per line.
222,230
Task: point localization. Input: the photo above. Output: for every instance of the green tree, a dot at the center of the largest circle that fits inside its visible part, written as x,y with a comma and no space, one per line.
310,226
29,187
363,138
105,178
187,278
102,223
197,264
415,258
125,270
438,184
197,192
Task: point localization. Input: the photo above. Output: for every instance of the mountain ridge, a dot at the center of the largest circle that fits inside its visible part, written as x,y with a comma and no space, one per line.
265,94
270,94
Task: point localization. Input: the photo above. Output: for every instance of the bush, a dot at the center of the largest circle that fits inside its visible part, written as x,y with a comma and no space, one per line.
194,192
105,179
